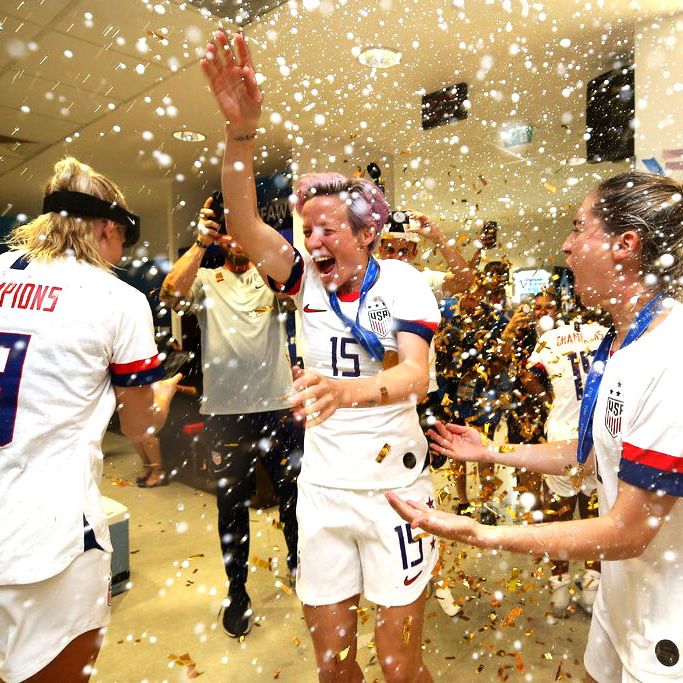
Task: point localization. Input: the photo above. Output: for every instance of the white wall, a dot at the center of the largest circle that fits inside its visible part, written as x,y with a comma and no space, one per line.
659,91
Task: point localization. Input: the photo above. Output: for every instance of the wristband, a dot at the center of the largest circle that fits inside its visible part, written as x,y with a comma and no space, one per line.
244,138
201,244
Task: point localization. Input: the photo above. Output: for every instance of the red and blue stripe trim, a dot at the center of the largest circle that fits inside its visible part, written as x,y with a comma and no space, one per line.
651,470
422,328
293,284
137,373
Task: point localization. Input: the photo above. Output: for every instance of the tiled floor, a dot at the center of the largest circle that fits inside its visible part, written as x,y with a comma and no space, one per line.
166,628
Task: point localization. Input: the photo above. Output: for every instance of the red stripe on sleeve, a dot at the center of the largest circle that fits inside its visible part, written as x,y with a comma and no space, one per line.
135,366
660,461
428,324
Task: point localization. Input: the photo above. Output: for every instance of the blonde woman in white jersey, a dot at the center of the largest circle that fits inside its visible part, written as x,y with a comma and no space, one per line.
75,341
366,330
626,251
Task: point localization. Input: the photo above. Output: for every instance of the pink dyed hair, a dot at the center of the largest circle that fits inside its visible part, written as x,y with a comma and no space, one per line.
365,203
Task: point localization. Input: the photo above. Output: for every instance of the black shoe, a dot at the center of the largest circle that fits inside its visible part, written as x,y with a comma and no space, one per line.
237,615
488,517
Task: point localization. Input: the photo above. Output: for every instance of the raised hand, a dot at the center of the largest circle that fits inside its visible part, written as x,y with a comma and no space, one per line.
425,226
435,522
232,80
459,443
315,397
207,228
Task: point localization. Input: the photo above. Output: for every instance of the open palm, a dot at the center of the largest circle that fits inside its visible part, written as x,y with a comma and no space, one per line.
458,443
232,80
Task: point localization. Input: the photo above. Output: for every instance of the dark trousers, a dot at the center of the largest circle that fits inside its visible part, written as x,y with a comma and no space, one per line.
236,442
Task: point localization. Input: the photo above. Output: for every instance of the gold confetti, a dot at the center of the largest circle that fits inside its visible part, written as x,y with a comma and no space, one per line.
405,631
260,310
262,564
296,641
383,453
548,655
343,654
186,660
509,620
285,589
121,482
549,187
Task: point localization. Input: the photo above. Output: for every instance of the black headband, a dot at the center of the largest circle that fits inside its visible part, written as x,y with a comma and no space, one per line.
87,206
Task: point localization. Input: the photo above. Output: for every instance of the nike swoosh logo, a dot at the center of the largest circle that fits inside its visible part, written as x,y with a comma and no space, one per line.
259,286
407,581
308,309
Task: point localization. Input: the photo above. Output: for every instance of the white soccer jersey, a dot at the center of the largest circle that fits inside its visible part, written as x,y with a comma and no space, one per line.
348,449
68,330
638,438
565,354
246,366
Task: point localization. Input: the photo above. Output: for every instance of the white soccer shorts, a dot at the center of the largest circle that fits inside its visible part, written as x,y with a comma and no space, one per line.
38,620
352,542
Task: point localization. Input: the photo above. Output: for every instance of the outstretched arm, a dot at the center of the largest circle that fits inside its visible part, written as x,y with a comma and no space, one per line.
462,444
623,532
232,81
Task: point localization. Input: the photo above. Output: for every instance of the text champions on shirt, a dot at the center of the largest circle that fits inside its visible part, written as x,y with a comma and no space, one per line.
29,296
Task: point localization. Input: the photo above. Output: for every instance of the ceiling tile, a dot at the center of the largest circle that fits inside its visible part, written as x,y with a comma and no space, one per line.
56,100
90,67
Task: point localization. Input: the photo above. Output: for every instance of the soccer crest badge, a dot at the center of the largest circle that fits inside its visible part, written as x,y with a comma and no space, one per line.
379,316
613,412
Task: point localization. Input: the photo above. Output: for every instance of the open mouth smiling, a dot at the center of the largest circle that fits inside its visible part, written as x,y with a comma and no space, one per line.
325,264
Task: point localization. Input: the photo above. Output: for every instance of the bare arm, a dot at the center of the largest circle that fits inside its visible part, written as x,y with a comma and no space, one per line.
178,282
317,397
460,276
233,83
143,410
622,533
462,444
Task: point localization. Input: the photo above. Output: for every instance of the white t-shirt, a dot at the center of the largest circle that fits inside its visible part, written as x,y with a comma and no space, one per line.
68,330
244,346
565,354
343,451
638,438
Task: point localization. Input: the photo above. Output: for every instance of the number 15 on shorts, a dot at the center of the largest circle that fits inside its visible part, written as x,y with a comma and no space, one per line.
411,551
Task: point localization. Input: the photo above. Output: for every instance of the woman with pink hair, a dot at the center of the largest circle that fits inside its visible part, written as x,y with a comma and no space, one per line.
366,328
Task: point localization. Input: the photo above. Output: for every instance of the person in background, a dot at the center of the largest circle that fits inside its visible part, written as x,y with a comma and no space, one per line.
625,251
400,240
247,379
557,369
75,343
528,409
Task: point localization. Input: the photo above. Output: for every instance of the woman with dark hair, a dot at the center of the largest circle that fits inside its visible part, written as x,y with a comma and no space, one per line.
75,342
626,251
366,328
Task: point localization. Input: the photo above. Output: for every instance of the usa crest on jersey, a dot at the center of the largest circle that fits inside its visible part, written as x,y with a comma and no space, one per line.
613,412
379,316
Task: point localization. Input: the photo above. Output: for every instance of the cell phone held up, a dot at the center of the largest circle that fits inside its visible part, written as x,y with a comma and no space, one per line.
219,210
489,234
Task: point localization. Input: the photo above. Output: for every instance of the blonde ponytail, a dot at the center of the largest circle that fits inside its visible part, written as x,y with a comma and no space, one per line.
52,235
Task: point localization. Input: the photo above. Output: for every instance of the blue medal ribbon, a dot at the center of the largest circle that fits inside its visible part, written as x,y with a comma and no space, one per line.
366,338
590,393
